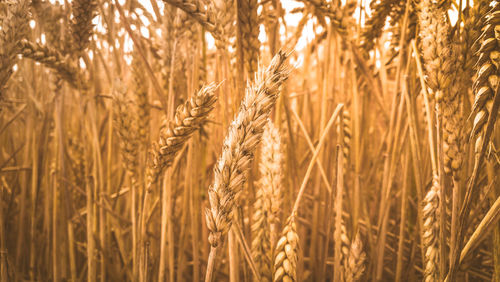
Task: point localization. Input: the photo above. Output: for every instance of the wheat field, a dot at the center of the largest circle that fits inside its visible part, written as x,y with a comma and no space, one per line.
249,140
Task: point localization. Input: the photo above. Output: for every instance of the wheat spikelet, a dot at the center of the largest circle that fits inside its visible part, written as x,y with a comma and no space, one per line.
14,27
441,59
188,118
54,60
249,28
285,260
84,12
431,232
243,136
487,78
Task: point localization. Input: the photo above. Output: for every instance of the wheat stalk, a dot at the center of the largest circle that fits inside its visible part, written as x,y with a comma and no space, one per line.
243,136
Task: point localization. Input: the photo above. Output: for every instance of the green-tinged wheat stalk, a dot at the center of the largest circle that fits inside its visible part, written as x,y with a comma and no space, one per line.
14,28
52,59
188,118
441,59
285,259
84,12
431,232
268,202
244,134
487,79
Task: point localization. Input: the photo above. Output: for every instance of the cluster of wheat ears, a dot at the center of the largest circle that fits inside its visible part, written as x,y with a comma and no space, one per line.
249,140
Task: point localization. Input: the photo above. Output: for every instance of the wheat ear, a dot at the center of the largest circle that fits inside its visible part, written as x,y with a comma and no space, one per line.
487,79
267,204
243,136
205,16
441,59
249,28
52,59
354,258
431,232
84,12
140,87
14,28
174,134
285,260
